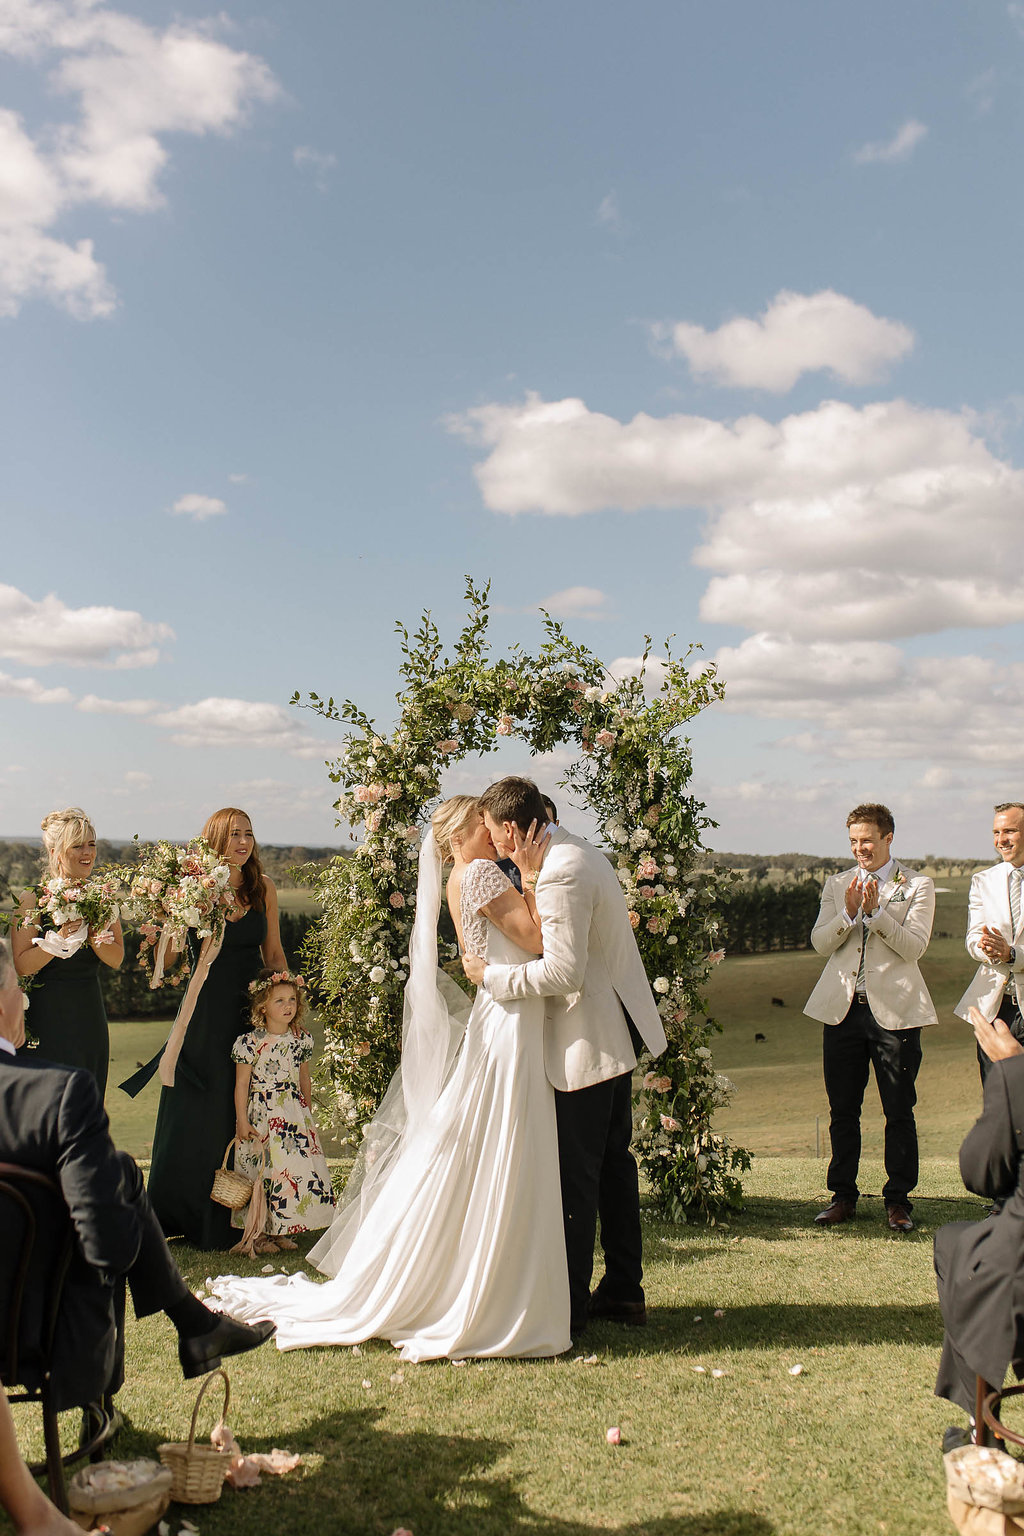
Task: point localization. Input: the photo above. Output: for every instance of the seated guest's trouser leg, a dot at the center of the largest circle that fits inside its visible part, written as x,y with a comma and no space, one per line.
1009,1012
896,1054
582,1118
154,1279
845,1056
956,1380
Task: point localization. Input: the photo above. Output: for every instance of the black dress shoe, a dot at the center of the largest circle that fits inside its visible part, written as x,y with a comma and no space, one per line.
838,1211
632,1313
203,1353
899,1218
954,1437
100,1423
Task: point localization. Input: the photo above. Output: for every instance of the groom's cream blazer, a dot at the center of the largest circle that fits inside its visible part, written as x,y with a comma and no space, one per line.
989,906
590,963
896,939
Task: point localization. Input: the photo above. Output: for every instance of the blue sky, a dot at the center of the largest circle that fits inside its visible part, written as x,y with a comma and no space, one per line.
692,319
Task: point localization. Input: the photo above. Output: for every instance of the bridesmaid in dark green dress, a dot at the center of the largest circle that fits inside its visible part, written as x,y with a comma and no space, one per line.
67,1015
196,1118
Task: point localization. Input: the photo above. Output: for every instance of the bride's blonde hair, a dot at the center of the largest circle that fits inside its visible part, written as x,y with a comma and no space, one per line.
63,830
452,817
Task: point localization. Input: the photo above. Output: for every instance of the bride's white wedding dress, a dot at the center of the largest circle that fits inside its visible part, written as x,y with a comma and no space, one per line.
459,1250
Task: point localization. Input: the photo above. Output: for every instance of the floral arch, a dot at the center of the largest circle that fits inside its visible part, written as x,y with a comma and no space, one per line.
633,769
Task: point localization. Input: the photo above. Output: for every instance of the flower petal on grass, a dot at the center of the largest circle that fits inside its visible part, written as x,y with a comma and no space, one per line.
613,1435
796,1370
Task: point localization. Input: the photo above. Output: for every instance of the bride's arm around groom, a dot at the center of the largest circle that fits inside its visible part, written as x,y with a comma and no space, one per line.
600,1012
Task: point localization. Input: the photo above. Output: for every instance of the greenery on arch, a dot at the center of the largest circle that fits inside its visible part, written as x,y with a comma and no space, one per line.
633,768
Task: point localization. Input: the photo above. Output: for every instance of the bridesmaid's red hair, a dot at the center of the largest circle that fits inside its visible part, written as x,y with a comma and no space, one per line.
252,890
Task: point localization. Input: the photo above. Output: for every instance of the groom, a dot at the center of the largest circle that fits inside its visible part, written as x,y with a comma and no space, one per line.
600,1013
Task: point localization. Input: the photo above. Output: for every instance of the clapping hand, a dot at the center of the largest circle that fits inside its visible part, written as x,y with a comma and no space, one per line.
994,945
869,897
861,896
994,1038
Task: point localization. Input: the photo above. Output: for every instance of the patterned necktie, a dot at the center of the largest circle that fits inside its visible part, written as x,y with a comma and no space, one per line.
1015,878
861,985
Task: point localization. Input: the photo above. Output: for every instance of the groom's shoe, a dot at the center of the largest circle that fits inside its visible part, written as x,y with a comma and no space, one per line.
203,1353
632,1313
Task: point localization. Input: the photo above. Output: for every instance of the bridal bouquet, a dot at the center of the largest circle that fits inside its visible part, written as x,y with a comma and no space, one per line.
176,888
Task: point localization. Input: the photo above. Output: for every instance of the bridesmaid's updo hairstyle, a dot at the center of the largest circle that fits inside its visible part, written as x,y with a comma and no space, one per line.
63,830
218,826
451,820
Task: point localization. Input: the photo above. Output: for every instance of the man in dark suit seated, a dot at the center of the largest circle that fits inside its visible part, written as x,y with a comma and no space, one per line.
979,1265
52,1120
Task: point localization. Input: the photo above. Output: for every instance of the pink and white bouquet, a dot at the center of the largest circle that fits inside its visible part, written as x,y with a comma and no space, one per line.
176,888
67,901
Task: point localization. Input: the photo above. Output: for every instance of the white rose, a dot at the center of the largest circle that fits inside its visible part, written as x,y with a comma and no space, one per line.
661,984
672,939
377,974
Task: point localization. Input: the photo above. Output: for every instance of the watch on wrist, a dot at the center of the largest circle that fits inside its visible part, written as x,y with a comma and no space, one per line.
1011,958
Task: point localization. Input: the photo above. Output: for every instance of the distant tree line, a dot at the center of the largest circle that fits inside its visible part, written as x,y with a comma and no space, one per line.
758,916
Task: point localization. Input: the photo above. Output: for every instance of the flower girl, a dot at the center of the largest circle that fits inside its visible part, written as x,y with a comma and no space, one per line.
273,1117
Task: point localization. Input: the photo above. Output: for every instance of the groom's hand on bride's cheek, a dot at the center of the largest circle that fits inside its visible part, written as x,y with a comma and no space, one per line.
474,968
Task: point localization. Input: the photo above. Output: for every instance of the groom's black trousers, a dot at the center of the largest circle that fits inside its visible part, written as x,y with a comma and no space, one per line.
599,1180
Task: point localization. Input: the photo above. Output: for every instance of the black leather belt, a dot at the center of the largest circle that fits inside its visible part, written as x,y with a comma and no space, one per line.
862,998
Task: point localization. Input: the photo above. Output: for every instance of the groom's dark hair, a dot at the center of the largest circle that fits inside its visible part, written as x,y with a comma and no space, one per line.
514,799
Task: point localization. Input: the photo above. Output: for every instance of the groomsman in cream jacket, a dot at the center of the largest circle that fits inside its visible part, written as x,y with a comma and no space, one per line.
995,930
874,925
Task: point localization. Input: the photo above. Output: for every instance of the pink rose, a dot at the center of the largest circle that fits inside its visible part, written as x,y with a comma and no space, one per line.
396,899
613,1435
394,791
504,726
649,1080
654,925
646,891
156,887
372,821
605,738
647,869
361,795
669,1124
451,745
662,1084
634,919
362,1047
716,956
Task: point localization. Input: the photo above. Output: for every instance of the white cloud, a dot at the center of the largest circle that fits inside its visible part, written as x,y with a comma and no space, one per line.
90,704
629,666
135,780
576,603
239,723
35,692
769,675
797,333
238,479
316,163
835,521
198,506
608,212
48,632
132,84
900,147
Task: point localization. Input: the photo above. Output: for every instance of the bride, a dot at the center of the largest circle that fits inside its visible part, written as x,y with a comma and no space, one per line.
450,1243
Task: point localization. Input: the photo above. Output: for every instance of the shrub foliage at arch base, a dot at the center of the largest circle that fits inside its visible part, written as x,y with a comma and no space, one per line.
633,768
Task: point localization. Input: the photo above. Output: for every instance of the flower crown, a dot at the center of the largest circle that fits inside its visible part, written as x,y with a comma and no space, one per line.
278,978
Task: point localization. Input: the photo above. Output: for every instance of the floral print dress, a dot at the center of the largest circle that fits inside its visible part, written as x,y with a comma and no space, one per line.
297,1179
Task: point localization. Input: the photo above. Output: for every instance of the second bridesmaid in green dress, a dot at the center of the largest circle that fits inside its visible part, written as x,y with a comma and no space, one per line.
196,1117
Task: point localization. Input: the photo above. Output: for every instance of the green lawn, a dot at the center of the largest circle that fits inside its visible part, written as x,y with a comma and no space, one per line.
846,1448
850,1446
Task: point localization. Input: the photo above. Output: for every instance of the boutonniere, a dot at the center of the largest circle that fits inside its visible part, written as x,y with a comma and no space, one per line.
899,880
